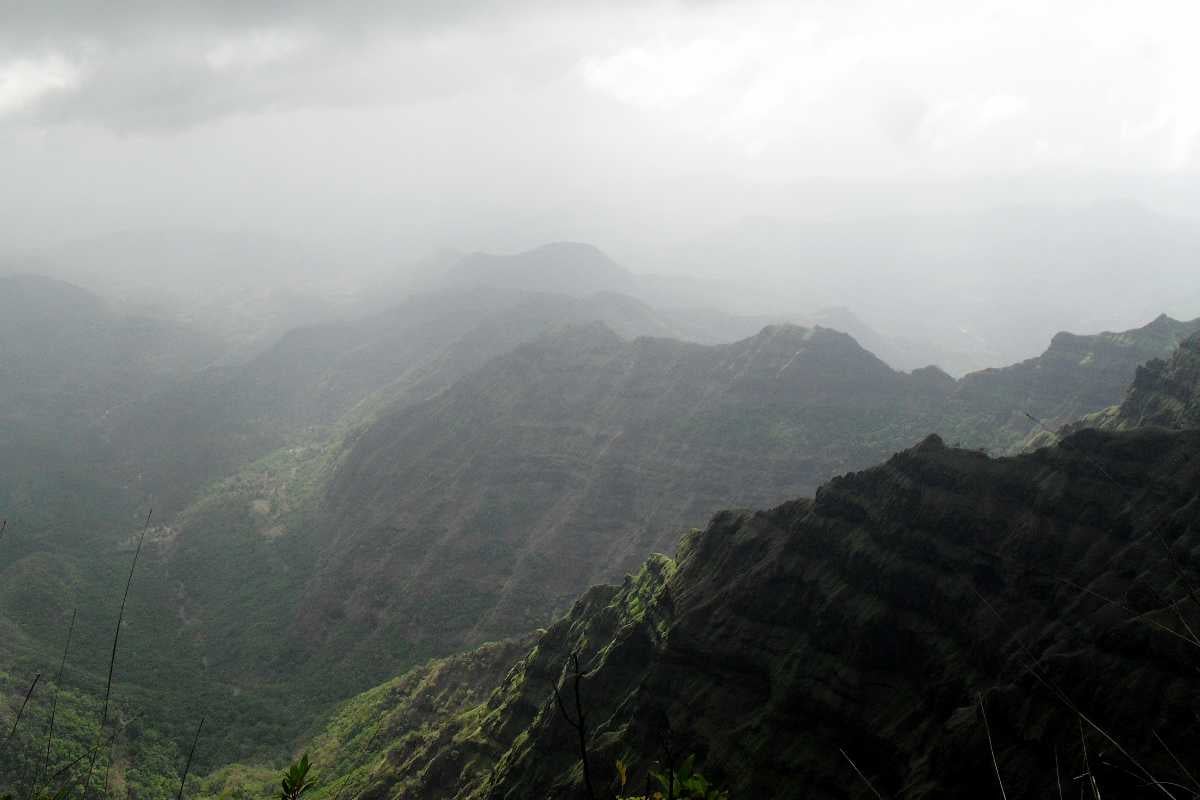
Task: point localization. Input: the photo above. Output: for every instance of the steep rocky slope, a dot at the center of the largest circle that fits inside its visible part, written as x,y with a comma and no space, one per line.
871,622
1165,393
482,512
1076,375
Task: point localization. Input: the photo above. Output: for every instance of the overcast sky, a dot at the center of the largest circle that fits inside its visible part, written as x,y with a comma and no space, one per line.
473,123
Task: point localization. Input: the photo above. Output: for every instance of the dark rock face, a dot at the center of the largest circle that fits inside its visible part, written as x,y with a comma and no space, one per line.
871,622
873,618
1166,393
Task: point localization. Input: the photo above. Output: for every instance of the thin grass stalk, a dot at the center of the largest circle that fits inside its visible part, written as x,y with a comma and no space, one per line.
29,693
112,660
860,774
1087,764
58,773
987,729
188,766
1178,763
54,707
1057,774
1031,666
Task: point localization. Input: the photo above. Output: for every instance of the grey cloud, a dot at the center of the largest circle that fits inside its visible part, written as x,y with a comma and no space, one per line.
157,91
161,70
53,21
148,65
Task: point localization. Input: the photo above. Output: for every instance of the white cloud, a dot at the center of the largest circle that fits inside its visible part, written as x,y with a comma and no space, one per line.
991,88
662,76
1001,107
24,81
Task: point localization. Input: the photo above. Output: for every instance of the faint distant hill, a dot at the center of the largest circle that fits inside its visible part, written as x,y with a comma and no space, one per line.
246,287
316,375
66,355
700,309
69,363
990,286
570,268
695,309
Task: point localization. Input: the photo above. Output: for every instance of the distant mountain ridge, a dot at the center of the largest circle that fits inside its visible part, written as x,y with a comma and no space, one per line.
560,464
68,363
317,375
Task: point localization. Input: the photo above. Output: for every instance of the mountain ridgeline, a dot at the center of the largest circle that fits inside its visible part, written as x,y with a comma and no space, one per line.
368,494
478,514
894,634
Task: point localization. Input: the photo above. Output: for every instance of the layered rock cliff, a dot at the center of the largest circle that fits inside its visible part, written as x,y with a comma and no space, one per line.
1165,393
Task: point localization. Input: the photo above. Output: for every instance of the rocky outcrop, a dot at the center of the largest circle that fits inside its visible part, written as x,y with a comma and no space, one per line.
1075,376
873,618
1165,393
